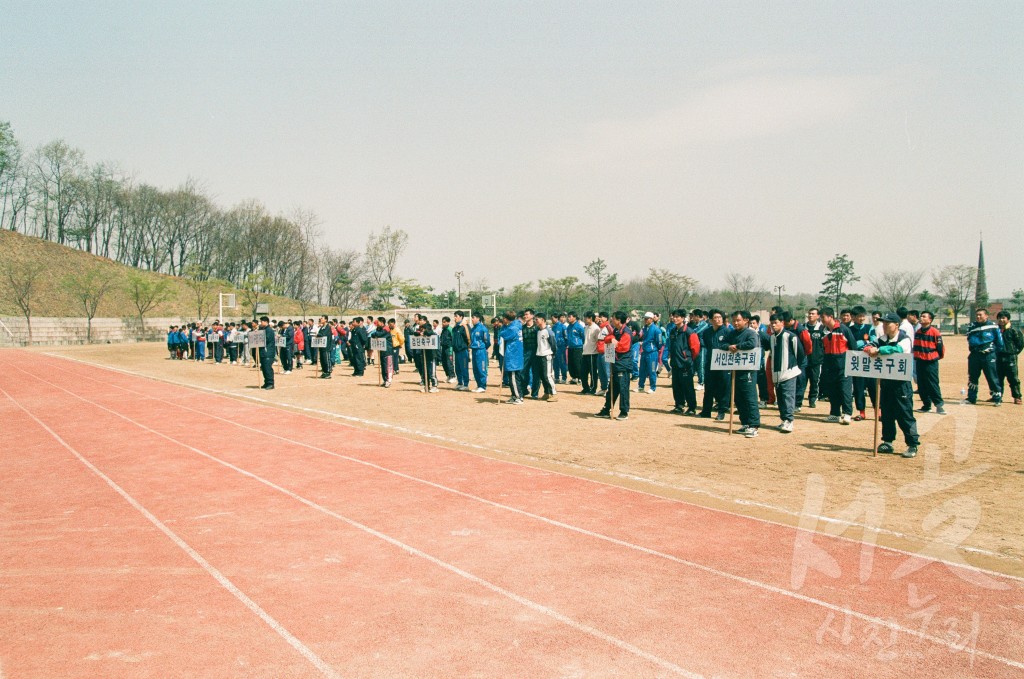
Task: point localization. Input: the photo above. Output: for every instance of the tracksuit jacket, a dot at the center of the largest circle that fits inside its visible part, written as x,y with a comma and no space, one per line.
513,336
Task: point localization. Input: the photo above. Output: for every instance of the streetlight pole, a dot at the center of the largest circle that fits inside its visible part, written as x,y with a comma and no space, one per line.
458,278
779,289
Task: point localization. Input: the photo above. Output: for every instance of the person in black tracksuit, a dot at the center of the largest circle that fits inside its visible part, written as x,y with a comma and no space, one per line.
744,338
683,352
1006,358
267,352
897,396
358,343
812,375
324,353
717,383
288,350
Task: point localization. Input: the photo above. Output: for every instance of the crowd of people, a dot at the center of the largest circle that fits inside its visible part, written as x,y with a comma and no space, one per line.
614,355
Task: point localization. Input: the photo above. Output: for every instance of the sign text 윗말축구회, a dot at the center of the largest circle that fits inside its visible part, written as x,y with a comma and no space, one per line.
428,342
890,367
739,360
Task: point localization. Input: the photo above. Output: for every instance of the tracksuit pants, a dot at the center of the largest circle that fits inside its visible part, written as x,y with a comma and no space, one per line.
267,367
588,372
218,352
812,377
648,370
358,361
716,391
862,385
387,366
898,409
839,388
575,362
286,358
683,392
1006,370
543,374
462,367
978,363
561,364
928,383
785,398
480,367
200,351
746,398
426,365
447,364
516,383
618,391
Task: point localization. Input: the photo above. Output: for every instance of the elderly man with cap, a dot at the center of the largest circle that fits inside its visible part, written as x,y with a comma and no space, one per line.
650,350
897,396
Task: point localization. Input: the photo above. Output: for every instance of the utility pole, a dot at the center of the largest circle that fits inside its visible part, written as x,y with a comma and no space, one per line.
458,279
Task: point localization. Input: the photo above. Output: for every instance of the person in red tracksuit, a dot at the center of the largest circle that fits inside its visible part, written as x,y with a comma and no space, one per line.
300,344
621,337
928,351
835,382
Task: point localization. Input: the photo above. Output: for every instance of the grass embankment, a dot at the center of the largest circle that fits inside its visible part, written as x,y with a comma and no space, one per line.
56,300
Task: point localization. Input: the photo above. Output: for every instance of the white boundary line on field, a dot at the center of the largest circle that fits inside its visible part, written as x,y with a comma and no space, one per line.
889,624
221,579
594,470
529,603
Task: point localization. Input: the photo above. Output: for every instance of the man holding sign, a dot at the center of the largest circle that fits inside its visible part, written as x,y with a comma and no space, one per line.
382,342
897,394
745,339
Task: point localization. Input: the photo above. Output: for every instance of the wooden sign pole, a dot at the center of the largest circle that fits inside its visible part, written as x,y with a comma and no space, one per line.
878,388
732,398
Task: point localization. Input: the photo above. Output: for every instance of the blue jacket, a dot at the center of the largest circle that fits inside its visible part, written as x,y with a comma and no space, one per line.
513,336
480,337
559,331
575,335
983,338
653,340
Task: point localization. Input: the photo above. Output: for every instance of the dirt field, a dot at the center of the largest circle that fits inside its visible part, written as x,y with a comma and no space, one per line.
958,500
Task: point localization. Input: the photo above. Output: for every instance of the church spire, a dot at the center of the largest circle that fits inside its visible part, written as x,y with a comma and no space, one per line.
981,287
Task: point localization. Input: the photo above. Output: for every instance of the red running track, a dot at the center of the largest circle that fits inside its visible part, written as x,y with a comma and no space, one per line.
154,530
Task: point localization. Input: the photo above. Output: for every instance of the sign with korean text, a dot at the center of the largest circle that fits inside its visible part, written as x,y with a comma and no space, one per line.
418,342
891,367
318,342
213,338
609,353
282,341
257,340
378,344
740,360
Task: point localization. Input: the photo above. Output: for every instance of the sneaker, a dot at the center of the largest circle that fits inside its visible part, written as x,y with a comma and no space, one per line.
910,452
604,415
797,409
720,417
886,448
433,390
677,409
387,384
622,417
788,427
812,404
451,380
859,417
648,391
635,390
743,430
517,402
924,409
706,416
782,426
479,390
699,387
751,433
845,419
690,413
1016,401
550,398
287,372
600,392
762,404
511,401
940,410
831,418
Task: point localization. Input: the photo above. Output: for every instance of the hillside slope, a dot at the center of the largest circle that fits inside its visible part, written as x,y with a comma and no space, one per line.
54,299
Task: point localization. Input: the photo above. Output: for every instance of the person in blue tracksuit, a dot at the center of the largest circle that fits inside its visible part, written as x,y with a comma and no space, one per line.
650,350
512,336
699,323
559,329
479,342
985,341
575,333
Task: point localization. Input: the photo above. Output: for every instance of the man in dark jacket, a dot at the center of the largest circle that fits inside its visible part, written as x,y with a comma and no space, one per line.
324,334
683,352
984,341
460,349
717,383
815,357
359,342
1006,358
744,338
267,352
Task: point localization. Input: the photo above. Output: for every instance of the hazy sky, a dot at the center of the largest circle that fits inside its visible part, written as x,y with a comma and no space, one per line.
515,141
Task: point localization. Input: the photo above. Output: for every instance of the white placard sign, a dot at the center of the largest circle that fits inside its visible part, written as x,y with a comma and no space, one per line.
213,338
891,367
741,360
378,344
318,342
609,353
257,340
428,342
282,341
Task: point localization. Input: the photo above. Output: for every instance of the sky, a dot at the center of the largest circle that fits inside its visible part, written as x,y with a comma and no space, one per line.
518,141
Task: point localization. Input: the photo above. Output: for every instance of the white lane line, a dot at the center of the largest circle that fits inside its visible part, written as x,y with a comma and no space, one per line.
550,612
646,550
224,582
277,406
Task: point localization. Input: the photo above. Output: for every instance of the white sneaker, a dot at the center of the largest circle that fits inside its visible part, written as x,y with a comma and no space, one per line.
699,387
433,390
287,372
787,427
451,380
743,430
648,391
387,384
479,390
845,419
751,433
832,418
601,392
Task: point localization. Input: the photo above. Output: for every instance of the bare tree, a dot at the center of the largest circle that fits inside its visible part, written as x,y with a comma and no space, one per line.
672,289
203,290
57,171
22,280
254,287
89,286
604,284
955,285
744,292
382,253
894,288
146,291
